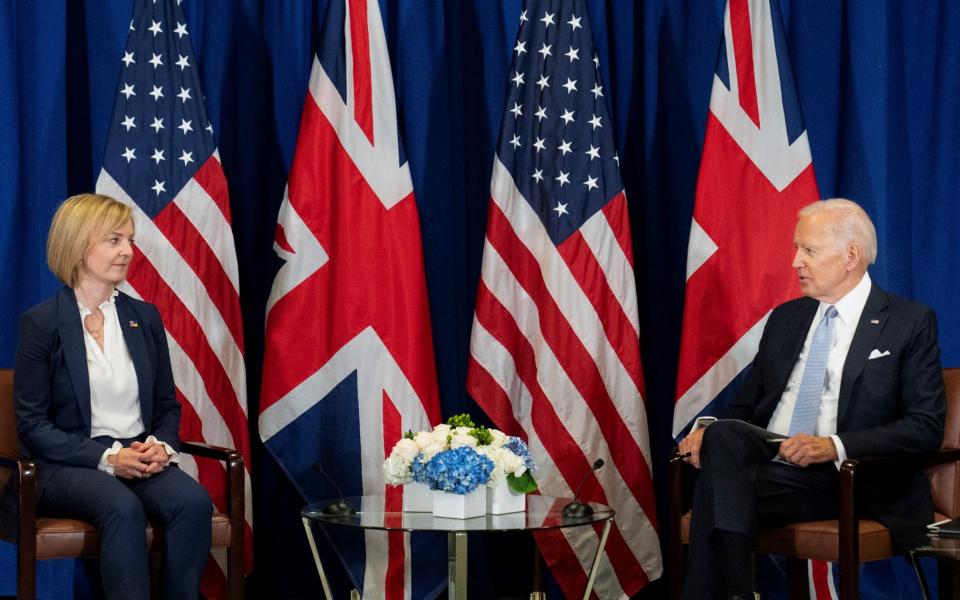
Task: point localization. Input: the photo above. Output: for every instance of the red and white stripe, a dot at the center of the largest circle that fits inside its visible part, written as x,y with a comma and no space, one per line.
555,358
185,263
820,580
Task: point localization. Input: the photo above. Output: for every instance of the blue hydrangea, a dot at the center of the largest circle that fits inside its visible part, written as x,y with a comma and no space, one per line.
419,468
458,471
519,447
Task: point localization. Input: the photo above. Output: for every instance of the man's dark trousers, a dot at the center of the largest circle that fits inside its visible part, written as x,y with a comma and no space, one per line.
740,489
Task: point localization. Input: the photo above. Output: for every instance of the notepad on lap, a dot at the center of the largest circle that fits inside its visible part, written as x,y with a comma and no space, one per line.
945,527
766,434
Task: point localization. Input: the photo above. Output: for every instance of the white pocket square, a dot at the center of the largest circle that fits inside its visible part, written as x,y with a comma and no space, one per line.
877,354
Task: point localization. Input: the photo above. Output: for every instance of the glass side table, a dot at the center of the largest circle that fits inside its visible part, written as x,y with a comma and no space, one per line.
946,549
543,512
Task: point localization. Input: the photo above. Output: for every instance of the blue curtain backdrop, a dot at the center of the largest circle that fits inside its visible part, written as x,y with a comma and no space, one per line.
878,84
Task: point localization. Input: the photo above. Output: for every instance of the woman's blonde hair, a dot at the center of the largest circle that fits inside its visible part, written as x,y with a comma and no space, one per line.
78,223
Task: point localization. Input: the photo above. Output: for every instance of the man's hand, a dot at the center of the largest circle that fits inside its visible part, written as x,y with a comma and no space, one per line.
153,455
128,464
804,450
691,445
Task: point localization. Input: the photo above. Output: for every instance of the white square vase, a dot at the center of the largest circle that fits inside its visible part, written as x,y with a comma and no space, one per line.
417,497
460,506
516,520
501,499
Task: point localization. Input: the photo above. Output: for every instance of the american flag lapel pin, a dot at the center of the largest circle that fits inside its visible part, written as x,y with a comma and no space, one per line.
134,324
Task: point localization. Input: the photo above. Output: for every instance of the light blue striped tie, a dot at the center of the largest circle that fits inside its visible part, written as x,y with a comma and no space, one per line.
807,408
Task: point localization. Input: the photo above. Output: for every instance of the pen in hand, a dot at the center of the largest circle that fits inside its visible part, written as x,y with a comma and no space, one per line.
681,456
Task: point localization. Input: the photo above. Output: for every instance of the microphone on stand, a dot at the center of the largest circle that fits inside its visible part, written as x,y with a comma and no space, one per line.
576,509
336,508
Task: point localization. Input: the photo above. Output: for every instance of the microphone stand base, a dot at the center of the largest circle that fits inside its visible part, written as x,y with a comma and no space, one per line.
577,510
338,508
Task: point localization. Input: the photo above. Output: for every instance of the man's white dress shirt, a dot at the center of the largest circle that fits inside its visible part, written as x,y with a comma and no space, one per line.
849,309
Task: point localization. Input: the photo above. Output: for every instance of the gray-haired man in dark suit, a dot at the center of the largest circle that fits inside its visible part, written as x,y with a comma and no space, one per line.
847,371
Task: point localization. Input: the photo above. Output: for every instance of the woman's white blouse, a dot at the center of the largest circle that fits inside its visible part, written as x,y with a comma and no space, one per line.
114,396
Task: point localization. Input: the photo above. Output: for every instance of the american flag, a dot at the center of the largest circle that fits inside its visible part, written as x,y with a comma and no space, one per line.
348,363
756,172
555,354
161,159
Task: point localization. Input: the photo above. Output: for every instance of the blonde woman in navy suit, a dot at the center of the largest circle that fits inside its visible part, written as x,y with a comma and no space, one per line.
96,408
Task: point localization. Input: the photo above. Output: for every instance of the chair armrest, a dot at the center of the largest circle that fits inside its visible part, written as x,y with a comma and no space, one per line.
210,451
942,457
235,477
236,502
9,462
849,516
25,490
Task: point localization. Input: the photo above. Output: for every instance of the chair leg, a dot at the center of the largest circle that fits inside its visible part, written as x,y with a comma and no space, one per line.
235,581
798,584
677,568
26,572
948,578
155,567
849,581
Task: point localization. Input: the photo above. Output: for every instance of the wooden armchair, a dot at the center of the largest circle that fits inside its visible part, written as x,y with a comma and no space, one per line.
46,537
848,540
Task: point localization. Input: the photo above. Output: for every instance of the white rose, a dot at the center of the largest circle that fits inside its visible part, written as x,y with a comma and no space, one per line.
499,438
440,438
423,439
496,456
396,470
432,449
461,437
512,464
406,448
434,441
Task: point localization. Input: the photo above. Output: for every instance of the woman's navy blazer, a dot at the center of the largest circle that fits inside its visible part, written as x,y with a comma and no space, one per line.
52,385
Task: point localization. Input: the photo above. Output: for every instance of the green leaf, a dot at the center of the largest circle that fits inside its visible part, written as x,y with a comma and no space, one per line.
523,484
408,435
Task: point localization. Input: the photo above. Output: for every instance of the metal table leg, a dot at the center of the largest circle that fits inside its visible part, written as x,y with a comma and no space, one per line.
924,588
457,565
316,559
596,559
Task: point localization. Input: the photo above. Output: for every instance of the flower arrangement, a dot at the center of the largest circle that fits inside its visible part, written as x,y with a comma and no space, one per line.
459,456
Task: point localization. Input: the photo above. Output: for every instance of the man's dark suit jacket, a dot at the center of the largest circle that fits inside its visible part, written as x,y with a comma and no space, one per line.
891,405
52,385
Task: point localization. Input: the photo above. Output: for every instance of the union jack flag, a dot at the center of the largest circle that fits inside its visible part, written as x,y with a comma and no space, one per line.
161,159
348,363
756,172
554,353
